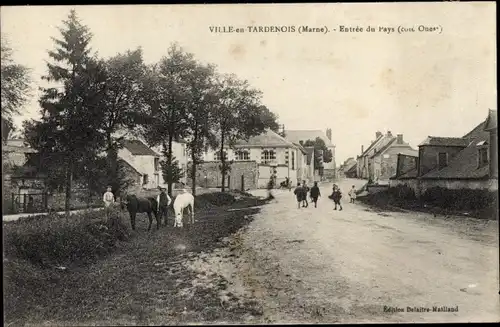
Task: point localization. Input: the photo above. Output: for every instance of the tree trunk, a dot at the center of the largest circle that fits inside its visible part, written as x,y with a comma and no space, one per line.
69,182
169,164
194,151
223,161
112,164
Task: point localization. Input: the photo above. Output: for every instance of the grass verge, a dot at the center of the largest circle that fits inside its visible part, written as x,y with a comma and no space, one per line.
141,281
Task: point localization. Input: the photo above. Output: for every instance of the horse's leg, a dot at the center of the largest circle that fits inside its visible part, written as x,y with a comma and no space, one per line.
150,220
132,220
191,211
158,218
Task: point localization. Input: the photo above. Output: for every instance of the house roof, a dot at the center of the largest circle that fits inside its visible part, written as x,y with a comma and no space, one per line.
372,145
300,147
353,168
267,139
385,147
412,173
303,135
444,141
138,148
491,121
126,163
465,164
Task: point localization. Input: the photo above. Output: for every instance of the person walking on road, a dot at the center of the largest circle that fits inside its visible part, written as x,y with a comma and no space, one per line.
336,196
305,190
315,193
108,198
298,194
163,201
352,194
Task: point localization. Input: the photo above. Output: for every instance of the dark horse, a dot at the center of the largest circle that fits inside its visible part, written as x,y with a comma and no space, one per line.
136,205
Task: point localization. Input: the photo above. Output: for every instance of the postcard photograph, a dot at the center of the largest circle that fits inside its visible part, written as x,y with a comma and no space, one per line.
250,164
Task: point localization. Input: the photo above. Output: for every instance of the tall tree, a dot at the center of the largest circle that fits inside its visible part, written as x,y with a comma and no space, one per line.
202,99
166,90
15,85
69,129
121,108
238,116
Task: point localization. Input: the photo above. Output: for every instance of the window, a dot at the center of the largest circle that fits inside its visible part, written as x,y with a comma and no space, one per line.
157,164
483,157
442,160
217,156
268,156
145,179
242,155
293,160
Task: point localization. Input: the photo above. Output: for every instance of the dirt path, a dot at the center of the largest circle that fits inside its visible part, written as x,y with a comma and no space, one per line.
356,265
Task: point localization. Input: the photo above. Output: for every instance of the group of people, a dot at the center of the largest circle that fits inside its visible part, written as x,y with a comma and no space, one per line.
301,192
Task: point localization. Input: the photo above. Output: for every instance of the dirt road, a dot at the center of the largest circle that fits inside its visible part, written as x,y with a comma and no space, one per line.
361,265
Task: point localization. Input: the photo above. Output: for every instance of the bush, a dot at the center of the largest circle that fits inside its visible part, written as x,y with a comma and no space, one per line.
402,192
461,199
55,239
216,199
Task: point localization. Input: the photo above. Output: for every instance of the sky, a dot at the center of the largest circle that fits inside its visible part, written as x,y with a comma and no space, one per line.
356,83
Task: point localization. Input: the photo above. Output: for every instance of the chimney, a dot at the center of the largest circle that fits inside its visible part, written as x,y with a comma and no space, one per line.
389,134
377,135
362,149
329,133
400,139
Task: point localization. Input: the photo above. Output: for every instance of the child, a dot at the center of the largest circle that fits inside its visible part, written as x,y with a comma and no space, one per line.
109,199
315,193
352,194
298,193
336,196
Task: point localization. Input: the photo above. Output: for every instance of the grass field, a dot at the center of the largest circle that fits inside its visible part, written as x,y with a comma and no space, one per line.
88,271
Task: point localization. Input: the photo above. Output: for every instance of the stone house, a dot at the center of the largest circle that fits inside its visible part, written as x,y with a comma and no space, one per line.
254,162
364,164
454,162
143,162
383,163
296,136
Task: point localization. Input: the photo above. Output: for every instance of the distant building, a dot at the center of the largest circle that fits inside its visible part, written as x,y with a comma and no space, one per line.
383,163
296,136
255,161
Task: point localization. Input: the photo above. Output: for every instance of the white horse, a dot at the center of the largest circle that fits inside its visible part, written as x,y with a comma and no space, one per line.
182,201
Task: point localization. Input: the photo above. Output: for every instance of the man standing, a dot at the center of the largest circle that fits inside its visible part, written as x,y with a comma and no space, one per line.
315,194
298,193
108,199
305,190
163,201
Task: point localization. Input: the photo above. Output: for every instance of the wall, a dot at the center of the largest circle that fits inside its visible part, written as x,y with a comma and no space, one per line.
493,151
211,171
265,172
385,164
405,163
428,156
